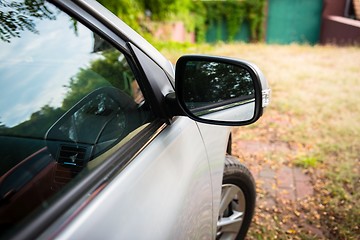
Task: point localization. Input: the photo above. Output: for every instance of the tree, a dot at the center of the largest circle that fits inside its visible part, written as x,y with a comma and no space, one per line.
20,16
129,11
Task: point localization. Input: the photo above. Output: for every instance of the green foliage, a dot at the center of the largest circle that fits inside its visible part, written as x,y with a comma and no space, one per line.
306,161
196,15
130,11
199,14
256,18
166,9
235,13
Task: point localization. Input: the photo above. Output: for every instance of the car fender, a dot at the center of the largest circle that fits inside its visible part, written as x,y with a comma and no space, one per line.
216,149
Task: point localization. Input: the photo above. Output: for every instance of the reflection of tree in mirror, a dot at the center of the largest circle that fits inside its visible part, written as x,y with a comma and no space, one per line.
20,16
216,82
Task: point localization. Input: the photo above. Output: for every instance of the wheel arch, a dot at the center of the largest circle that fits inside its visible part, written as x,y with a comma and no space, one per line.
229,145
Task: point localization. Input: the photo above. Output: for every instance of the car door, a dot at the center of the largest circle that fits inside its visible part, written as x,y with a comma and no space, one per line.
85,173
164,193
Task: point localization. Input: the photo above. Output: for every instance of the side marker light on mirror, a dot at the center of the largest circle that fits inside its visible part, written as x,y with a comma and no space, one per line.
266,95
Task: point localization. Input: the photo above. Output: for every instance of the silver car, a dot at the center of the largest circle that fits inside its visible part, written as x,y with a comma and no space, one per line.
101,138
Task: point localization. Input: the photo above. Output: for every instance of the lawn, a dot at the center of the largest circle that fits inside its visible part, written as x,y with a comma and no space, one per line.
315,112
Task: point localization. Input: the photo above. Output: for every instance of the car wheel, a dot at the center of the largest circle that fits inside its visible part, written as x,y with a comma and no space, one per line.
237,204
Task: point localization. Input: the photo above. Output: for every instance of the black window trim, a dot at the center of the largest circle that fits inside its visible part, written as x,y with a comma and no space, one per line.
105,31
93,20
71,8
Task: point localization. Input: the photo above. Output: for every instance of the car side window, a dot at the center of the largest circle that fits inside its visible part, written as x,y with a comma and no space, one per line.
67,97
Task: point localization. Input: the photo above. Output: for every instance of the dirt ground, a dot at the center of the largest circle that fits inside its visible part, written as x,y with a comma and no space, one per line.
286,207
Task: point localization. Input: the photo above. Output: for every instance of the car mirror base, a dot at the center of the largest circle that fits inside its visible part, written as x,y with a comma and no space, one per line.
172,105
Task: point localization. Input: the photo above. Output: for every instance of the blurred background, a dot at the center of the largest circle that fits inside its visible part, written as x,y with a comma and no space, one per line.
304,152
270,21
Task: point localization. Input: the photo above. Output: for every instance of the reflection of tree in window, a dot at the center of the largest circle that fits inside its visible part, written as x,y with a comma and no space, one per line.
110,70
20,16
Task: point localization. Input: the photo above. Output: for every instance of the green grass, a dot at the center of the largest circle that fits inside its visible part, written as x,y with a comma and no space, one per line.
306,161
316,107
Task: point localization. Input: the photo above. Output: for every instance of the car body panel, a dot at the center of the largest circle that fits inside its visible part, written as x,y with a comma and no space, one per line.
215,140
165,193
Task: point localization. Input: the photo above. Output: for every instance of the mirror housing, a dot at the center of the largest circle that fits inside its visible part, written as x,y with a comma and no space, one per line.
219,90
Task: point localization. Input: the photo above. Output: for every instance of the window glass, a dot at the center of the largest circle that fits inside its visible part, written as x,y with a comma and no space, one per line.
67,96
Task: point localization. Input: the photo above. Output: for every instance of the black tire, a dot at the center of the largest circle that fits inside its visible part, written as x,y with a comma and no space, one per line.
238,196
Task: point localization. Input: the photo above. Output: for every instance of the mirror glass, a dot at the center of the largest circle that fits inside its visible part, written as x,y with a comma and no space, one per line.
218,91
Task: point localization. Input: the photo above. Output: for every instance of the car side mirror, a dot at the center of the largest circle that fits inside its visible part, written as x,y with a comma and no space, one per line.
220,90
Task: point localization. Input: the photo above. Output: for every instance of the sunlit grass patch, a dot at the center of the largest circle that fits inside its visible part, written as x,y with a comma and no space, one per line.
306,161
